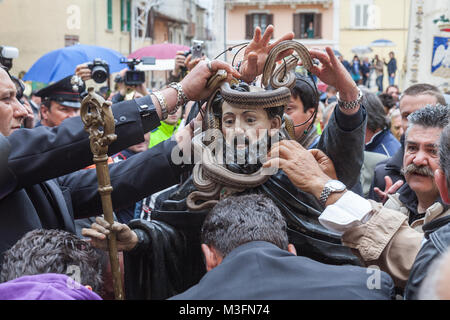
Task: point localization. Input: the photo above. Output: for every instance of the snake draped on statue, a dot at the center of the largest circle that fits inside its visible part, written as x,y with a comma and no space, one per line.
172,261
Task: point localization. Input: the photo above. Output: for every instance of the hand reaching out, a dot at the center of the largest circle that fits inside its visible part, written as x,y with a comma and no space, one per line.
98,232
256,53
390,188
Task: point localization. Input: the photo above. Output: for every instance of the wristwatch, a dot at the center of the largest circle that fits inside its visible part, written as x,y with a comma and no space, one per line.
348,105
330,187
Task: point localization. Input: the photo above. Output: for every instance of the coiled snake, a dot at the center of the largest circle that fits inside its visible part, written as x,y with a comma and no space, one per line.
212,178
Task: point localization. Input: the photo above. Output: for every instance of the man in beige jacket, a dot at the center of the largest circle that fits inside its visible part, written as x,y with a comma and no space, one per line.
379,236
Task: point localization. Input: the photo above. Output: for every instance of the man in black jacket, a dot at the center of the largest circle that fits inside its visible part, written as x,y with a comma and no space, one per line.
247,256
46,194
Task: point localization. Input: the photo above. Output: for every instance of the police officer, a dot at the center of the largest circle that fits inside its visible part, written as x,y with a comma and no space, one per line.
50,193
60,100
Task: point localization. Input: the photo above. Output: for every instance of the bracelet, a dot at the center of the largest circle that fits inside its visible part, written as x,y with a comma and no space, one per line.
162,103
181,97
349,105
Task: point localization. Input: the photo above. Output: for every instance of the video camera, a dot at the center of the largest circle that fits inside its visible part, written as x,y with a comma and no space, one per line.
7,54
135,77
100,70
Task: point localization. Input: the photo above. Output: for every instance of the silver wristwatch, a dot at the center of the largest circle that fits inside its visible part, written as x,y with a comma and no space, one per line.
348,105
330,187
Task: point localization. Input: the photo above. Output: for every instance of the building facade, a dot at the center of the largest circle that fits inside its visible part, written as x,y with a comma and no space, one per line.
364,21
38,27
315,23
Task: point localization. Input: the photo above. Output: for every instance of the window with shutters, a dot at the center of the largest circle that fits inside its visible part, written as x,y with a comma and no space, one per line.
361,14
109,10
308,25
125,15
254,20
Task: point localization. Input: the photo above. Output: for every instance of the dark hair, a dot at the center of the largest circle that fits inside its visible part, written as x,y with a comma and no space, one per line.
431,116
237,220
444,154
46,102
216,104
391,86
305,90
424,89
376,116
52,251
387,100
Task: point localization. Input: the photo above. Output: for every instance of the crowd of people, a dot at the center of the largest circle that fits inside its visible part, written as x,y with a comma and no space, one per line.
362,71
356,204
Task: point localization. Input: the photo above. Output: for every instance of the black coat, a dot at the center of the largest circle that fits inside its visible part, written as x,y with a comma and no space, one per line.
260,270
437,235
47,196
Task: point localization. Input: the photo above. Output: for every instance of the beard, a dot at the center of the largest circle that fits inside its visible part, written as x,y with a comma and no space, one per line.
246,160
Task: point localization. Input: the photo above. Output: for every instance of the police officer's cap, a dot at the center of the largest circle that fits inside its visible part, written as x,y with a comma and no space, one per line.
63,92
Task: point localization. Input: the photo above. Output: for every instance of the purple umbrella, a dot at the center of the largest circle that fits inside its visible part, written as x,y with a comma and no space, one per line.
159,51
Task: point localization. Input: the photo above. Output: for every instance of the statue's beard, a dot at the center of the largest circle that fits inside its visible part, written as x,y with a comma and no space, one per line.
245,160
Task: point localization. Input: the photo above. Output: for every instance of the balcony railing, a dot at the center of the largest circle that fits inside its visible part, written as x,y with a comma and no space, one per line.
276,2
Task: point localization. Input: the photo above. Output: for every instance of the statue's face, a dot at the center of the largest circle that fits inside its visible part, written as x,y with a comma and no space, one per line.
250,123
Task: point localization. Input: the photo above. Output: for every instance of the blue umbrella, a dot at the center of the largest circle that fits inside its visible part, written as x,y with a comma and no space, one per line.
382,43
61,63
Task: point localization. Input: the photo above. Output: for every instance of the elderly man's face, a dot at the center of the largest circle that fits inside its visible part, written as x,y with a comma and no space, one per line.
246,122
57,113
409,104
12,112
421,159
396,126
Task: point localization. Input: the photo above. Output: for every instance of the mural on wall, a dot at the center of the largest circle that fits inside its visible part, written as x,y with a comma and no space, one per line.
440,65
428,56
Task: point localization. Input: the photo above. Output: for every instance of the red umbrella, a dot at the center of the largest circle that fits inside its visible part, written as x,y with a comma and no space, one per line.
159,51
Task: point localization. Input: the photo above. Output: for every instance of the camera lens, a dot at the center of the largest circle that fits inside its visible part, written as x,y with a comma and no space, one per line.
99,74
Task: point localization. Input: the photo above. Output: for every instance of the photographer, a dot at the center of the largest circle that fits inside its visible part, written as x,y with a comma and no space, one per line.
85,73
183,64
40,155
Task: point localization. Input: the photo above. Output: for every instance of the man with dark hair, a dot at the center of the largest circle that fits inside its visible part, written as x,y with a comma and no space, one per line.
344,128
247,256
388,172
387,101
394,92
47,193
378,136
53,251
59,102
391,68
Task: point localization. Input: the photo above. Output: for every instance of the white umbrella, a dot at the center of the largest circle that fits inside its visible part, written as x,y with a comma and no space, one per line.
160,65
382,43
361,49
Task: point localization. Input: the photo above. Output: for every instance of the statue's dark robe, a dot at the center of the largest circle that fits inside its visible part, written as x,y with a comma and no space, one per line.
170,260
171,264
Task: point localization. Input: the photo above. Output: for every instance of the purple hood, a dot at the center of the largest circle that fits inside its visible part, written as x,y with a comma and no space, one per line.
49,286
